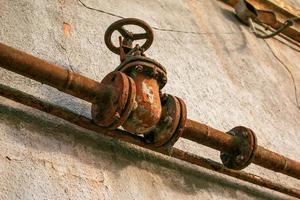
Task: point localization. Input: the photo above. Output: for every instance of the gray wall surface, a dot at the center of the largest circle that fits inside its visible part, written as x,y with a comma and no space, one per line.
226,76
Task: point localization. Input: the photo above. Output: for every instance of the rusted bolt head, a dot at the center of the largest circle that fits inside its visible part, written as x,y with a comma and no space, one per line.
139,68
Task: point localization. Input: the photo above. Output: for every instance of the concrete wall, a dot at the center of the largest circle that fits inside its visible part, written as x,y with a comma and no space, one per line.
226,76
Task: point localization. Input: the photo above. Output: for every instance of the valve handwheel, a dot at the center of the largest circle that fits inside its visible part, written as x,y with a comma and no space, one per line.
129,36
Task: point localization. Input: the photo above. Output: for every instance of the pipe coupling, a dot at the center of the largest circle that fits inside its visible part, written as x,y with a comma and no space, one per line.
116,100
171,124
242,155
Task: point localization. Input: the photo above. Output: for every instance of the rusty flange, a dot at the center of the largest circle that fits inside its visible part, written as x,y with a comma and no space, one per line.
182,122
128,107
116,100
240,157
147,66
170,127
128,36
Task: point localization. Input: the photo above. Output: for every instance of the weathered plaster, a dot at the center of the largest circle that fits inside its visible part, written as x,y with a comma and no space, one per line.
226,76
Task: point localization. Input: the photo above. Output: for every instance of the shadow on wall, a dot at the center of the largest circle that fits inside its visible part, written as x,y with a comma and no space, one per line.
119,153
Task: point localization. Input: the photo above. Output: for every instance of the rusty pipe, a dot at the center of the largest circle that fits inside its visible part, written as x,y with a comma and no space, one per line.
88,89
204,134
223,142
276,162
142,119
50,74
84,122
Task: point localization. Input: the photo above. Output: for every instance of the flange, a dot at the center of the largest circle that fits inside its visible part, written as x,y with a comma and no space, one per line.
182,122
241,156
128,107
116,99
170,127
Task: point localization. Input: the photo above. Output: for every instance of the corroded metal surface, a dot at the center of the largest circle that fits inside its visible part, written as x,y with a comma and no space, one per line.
84,122
128,36
115,91
168,123
144,65
242,156
129,107
112,100
276,162
208,136
50,74
148,110
283,12
223,142
234,80
194,131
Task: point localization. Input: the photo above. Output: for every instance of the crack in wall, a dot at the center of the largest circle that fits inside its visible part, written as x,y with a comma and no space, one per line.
200,33
288,70
154,27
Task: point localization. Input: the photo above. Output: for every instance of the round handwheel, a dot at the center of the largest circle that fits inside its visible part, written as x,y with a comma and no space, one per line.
118,26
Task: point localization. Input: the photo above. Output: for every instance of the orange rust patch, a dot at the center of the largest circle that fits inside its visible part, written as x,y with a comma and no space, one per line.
67,29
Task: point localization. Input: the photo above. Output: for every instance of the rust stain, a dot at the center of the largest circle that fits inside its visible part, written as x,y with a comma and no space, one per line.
67,29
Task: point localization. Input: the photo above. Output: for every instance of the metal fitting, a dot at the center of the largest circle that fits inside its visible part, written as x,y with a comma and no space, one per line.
149,78
171,124
240,157
116,100
131,95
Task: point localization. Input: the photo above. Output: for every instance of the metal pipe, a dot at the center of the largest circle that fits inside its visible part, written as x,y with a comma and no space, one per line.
84,122
50,74
276,162
88,89
221,141
208,136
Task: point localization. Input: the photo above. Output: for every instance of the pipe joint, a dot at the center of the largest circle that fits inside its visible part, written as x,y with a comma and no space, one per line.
244,150
149,77
171,124
130,96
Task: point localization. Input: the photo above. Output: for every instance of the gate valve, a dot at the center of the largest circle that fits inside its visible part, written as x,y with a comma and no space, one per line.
132,92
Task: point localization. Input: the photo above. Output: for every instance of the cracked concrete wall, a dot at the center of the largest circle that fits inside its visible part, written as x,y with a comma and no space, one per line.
226,76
